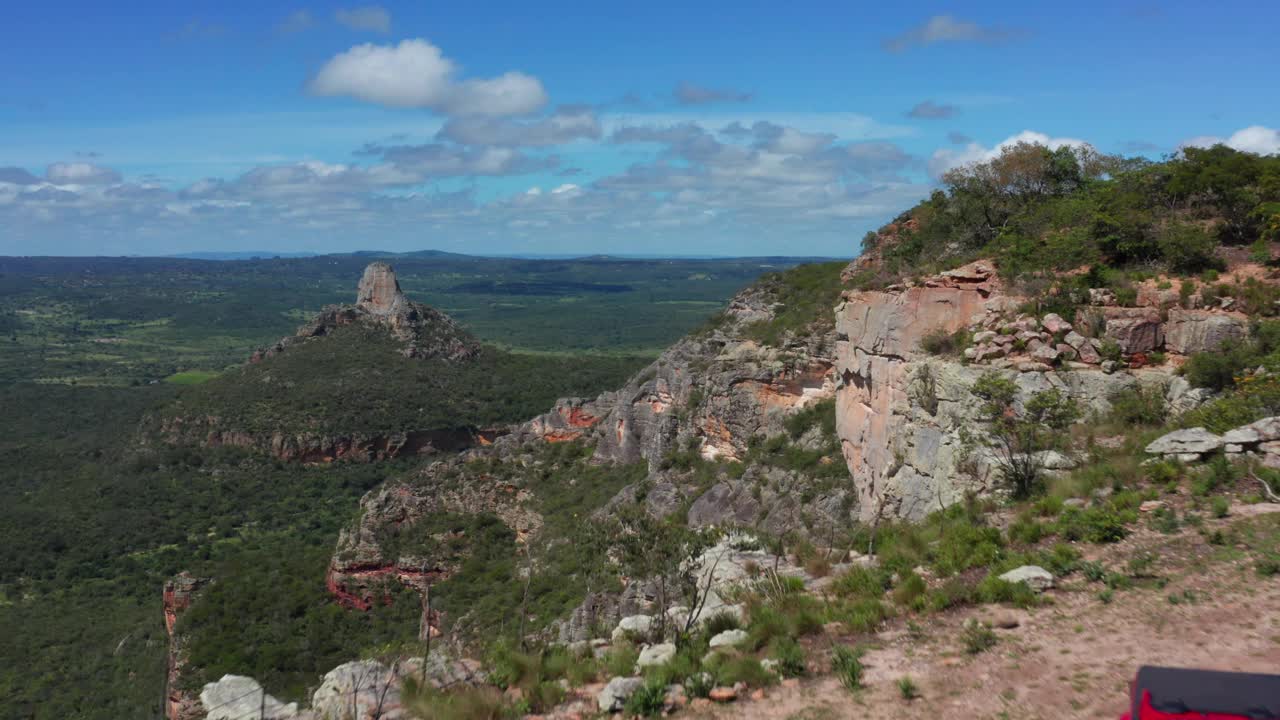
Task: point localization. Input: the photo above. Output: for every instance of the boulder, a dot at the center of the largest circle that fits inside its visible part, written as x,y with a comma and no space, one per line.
1045,354
1264,430
655,655
367,686
1188,441
984,336
236,697
1034,576
634,625
1135,330
1055,324
1193,331
723,694
1054,460
615,694
728,638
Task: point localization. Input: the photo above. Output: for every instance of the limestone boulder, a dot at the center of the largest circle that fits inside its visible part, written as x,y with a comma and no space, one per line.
363,689
1188,441
633,625
615,694
655,655
728,638
1033,576
236,697
1264,430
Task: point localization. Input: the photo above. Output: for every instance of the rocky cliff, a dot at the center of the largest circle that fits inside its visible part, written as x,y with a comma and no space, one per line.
905,416
178,595
691,434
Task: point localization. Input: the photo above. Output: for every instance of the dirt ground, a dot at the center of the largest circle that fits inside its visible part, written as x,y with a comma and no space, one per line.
1073,657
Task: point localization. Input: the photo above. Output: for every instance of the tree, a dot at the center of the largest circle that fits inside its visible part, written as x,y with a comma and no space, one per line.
1020,437
650,548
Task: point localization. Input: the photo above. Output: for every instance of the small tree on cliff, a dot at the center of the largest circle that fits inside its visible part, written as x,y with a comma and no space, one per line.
1018,437
650,548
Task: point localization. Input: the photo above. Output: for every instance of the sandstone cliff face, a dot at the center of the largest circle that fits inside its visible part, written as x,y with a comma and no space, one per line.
902,414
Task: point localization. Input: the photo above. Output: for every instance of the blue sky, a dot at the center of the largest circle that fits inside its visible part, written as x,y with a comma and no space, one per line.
556,127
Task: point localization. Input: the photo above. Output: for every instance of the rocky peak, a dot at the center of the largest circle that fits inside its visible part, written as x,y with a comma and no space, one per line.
424,331
379,291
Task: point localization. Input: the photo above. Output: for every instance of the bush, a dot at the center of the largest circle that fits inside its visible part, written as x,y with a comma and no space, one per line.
910,589
1188,248
648,700
1139,406
907,688
1093,571
977,637
1221,507
458,703
861,582
941,342
621,659
846,663
1218,370
699,684
745,669
1096,525
789,656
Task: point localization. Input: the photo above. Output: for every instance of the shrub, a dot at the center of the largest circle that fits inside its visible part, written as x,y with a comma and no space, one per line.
789,656
719,622
1268,565
1106,596
621,659
1139,406
1110,350
907,688
1093,571
1217,370
699,684
457,703
861,582
977,637
1026,530
1095,525
994,590
909,589
1062,560
941,342
648,700
745,669
846,663
1221,507
859,614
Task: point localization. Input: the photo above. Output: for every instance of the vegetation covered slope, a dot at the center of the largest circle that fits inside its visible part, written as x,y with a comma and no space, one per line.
1036,211
358,380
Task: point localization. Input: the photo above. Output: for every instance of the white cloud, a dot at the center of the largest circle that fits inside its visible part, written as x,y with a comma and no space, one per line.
371,18
416,73
1254,139
945,159
80,173
945,28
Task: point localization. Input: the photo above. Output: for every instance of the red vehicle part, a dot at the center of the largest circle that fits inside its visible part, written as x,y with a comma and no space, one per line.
1184,694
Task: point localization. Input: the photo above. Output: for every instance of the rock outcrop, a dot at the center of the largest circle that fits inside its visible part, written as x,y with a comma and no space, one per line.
906,417
177,596
424,331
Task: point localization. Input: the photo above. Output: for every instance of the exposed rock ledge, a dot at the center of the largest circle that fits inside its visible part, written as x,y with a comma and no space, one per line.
900,412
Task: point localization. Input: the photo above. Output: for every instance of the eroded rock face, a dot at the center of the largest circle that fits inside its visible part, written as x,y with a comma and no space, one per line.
379,290
903,415
1193,331
177,596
